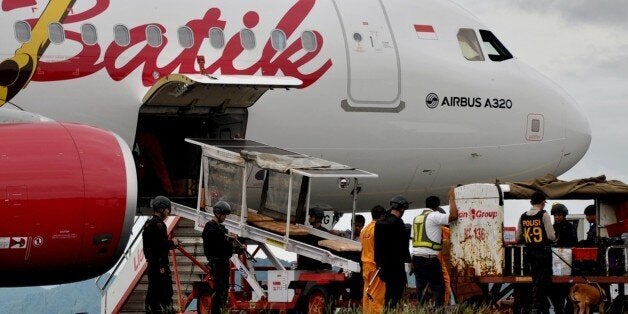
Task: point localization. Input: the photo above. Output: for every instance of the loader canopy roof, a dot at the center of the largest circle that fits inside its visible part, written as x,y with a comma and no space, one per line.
588,188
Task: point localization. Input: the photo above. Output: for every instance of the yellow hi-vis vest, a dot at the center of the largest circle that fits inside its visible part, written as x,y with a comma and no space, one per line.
420,238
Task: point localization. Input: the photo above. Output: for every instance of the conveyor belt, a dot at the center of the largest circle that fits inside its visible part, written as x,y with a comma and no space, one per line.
263,229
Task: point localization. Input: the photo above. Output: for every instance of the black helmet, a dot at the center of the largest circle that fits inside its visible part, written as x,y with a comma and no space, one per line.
399,202
160,203
222,208
559,209
317,212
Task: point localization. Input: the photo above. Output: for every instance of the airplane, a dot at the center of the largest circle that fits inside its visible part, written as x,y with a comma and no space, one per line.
420,92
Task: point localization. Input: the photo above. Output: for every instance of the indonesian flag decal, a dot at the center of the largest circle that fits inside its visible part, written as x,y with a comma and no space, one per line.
425,32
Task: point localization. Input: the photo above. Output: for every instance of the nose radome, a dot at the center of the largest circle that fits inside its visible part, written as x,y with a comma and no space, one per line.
577,135
566,113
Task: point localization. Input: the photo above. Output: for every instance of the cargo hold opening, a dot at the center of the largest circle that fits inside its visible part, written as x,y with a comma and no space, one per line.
190,106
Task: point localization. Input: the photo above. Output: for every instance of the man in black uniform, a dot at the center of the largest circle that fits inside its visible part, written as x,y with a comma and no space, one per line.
591,216
565,231
156,249
566,237
218,248
392,250
316,215
535,230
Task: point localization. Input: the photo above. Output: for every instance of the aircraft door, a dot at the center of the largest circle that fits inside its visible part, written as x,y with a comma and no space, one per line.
373,65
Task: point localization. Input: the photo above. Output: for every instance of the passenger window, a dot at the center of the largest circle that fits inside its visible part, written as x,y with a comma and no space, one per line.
216,37
186,37
308,40
247,39
153,36
56,33
469,45
278,39
121,35
88,34
494,48
22,31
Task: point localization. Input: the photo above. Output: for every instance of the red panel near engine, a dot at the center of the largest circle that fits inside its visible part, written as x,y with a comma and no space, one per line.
64,189
105,192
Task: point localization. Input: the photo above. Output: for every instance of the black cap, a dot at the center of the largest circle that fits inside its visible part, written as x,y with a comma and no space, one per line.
537,198
160,202
317,212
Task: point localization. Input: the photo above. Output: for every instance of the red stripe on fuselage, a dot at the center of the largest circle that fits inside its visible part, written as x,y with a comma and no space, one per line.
91,59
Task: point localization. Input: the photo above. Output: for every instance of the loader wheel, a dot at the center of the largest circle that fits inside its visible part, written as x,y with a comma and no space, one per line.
318,301
204,303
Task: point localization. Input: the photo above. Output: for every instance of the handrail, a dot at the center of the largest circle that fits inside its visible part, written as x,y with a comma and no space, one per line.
513,248
606,253
625,257
202,266
184,302
177,280
123,258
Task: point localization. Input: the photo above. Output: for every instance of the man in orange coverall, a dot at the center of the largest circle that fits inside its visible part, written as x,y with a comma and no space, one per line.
441,258
374,294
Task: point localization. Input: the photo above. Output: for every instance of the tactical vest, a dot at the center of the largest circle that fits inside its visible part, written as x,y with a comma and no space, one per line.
420,238
533,231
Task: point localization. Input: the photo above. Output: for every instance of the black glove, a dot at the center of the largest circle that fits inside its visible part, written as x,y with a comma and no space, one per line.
383,274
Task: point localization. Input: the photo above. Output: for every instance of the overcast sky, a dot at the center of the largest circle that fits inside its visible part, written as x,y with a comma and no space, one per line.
583,46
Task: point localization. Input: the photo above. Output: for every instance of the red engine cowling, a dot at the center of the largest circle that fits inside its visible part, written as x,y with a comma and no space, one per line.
68,196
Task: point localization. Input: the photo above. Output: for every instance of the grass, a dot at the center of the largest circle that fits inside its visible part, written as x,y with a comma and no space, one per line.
411,308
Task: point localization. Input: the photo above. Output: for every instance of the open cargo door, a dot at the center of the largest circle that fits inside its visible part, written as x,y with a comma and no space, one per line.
183,106
198,90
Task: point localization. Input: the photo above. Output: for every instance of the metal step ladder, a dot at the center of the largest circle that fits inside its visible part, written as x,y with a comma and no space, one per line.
123,289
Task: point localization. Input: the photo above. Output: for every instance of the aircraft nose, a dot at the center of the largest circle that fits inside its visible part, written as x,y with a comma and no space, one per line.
577,135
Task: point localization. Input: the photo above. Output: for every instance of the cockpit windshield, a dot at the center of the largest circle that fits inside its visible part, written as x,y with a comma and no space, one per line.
469,45
493,47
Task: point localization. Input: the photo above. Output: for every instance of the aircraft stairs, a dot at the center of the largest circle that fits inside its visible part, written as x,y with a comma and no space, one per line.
125,291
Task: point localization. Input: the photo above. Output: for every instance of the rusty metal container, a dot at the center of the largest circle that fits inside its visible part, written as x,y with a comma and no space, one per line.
476,237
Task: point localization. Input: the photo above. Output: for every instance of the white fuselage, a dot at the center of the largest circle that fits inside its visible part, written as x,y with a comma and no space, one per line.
364,100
